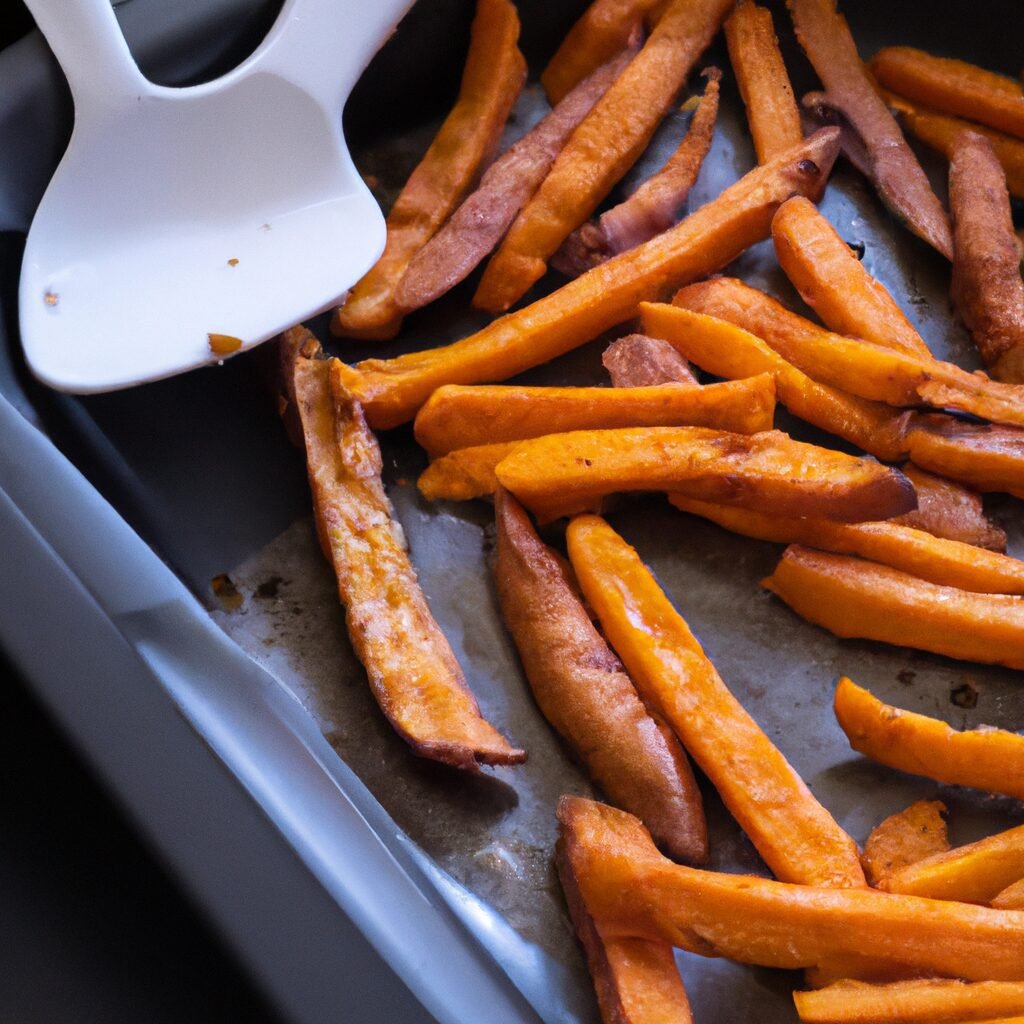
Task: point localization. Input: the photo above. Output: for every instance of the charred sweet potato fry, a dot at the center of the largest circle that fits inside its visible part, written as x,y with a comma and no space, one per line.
392,390
928,1001
412,671
797,838
901,183
988,759
654,207
1011,898
600,151
638,361
772,113
834,283
584,692
494,74
566,473
952,86
987,289
726,350
632,890
854,598
459,416
476,227
465,473
905,838
946,562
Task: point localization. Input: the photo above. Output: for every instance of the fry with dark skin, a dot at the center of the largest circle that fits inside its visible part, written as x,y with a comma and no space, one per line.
905,838
411,668
638,361
987,759
901,183
584,692
987,289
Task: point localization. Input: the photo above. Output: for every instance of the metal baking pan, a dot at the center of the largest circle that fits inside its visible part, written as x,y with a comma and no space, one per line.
241,737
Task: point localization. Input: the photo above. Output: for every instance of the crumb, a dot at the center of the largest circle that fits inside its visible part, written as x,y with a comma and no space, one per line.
224,344
51,298
233,262
226,592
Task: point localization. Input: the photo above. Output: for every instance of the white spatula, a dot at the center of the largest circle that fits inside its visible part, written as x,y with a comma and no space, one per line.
229,209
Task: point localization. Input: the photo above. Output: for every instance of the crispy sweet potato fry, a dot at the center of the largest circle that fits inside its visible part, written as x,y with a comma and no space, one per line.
976,873
950,510
654,207
772,112
897,175
726,350
632,890
927,1001
940,131
584,692
476,227
854,598
987,289
905,838
566,473
600,151
494,74
638,361
952,86
1011,898
602,31
834,283
392,390
413,674
946,562
465,473
988,759
459,416
797,838
871,371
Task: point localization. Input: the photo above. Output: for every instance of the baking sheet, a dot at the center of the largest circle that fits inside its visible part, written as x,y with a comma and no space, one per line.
235,504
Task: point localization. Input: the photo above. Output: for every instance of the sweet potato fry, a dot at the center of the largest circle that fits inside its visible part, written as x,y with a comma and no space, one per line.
600,151
632,890
940,131
654,207
905,838
585,694
901,183
602,31
638,361
476,227
413,674
864,369
494,74
950,510
946,562
834,283
772,112
985,457
976,873
797,838
987,289
988,759
465,473
854,598
392,390
928,1001
459,416
952,86
566,473
726,350
1011,898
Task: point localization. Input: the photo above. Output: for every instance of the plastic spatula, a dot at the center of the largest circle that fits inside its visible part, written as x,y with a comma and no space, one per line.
229,209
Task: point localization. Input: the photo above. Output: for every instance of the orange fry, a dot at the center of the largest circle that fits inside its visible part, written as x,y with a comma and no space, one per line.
772,113
834,283
494,74
392,390
600,151
952,86
1011,898
465,473
987,759
797,838
905,838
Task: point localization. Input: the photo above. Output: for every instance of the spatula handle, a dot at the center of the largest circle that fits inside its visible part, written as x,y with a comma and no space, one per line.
87,41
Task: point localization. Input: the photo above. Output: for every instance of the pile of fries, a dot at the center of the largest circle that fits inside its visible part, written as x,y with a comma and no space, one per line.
892,545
